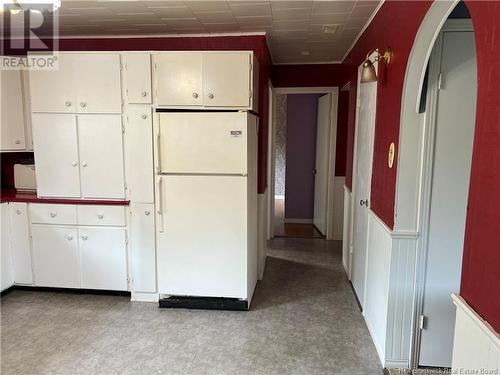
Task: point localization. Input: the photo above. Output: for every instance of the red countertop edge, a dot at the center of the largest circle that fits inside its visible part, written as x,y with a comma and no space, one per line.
11,195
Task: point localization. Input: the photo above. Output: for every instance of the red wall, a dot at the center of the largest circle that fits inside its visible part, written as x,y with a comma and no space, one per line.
342,122
256,43
481,262
312,75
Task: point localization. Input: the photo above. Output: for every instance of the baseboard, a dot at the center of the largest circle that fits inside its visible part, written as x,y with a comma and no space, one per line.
69,290
298,221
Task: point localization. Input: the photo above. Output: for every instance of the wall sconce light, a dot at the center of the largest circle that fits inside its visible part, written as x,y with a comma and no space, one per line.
368,73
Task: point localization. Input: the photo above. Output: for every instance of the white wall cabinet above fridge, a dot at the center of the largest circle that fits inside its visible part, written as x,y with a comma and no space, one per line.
79,156
206,79
12,111
82,83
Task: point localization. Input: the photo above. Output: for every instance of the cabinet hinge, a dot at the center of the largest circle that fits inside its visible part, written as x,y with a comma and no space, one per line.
123,129
250,66
422,322
440,81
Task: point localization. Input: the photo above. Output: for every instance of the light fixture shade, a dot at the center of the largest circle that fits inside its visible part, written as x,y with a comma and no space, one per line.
368,73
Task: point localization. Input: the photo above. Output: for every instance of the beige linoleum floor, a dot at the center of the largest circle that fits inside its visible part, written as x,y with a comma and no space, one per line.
304,320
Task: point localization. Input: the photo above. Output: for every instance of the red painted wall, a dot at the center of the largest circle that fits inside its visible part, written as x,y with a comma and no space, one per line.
481,262
313,75
342,122
256,43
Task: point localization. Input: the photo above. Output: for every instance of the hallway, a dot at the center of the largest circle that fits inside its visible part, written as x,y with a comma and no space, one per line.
304,320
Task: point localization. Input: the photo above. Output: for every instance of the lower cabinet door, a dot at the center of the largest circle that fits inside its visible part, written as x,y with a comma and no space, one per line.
20,242
103,258
55,256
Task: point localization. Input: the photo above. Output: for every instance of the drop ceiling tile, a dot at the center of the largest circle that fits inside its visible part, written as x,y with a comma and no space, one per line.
140,17
222,27
255,21
207,6
190,31
356,22
215,17
329,18
283,4
353,32
260,29
320,7
363,11
252,9
367,3
171,12
163,3
184,23
291,25
291,14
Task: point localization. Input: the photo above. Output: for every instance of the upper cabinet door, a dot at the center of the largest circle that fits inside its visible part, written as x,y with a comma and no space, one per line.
137,78
226,79
12,117
98,83
101,156
56,155
178,79
54,90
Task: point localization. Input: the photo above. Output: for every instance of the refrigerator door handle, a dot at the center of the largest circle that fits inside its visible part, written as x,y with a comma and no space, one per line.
160,203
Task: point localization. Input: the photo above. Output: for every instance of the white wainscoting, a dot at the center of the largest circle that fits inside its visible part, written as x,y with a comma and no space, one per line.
376,297
346,259
476,345
262,229
338,208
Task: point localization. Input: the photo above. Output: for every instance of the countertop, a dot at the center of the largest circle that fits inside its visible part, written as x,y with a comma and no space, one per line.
12,195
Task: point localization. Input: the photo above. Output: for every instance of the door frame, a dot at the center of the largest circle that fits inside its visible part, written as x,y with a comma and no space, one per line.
334,90
428,151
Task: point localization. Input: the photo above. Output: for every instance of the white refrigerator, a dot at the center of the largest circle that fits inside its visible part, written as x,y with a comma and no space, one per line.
206,204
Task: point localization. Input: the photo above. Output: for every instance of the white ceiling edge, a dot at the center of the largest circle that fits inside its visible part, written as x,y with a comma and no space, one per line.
203,35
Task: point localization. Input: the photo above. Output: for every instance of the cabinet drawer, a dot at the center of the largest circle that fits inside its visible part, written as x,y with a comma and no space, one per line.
101,215
53,214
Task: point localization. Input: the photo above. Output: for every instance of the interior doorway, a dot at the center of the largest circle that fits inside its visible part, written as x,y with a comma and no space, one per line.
302,161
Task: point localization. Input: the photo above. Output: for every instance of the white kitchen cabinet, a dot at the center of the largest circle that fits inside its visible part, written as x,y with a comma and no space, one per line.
12,111
139,154
142,248
6,276
227,79
54,90
206,79
20,242
82,82
137,78
56,155
100,143
179,78
56,260
103,258
98,83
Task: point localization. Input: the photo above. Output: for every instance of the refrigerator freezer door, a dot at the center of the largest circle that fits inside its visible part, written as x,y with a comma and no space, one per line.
204,143
202,249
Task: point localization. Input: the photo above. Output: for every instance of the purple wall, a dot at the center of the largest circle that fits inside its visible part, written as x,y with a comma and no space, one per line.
302,112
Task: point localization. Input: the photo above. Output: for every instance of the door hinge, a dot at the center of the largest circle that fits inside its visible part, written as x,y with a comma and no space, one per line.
422,322
440,81
250,94
250,66
123,129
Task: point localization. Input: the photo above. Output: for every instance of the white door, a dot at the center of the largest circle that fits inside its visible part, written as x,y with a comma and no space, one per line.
20,242
365,126
226,79
137,78
143,247
178,79
139,154
322,158
56,155
454,136
98,83
204,143
202,238
101,155
54,90
103,258
55,256
6,274
12,111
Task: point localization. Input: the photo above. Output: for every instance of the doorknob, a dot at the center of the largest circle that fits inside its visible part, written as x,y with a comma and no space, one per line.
363,202
211,96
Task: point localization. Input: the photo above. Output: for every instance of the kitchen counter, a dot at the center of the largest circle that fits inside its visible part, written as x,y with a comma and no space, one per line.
12,195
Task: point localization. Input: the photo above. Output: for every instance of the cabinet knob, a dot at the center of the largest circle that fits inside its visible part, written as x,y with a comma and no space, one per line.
147,212
144,94
53,214
83,104
17,141
84,164
363,202
211,96
85,237
195,95
74,164
100,216
68,104
69,237
18,212
144,116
